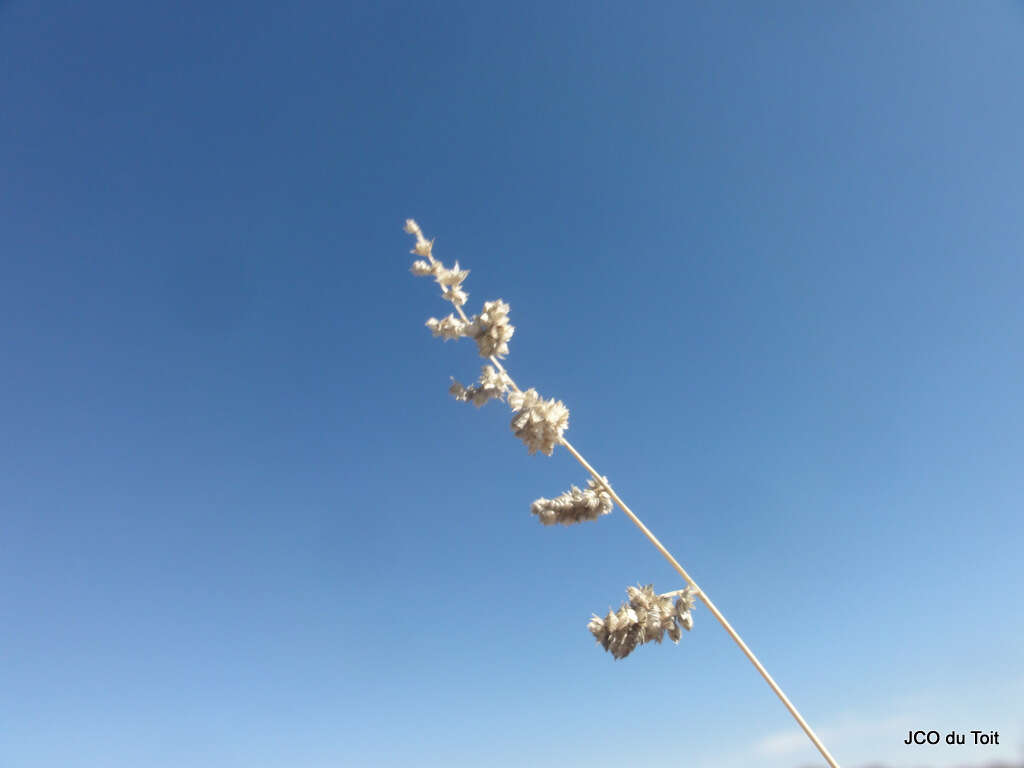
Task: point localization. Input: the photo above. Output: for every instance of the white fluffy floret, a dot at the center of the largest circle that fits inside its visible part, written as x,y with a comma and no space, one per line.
450,280
491,385
646,618
575,505
538,422
450,327
422,268
491,329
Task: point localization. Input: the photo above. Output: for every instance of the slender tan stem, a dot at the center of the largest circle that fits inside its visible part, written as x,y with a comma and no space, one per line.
689,580
711,606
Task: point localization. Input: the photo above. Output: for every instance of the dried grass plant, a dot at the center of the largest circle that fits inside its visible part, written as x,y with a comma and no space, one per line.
540,423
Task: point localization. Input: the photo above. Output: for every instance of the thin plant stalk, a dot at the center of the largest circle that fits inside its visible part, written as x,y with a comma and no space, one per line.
711,607
689,580
682,572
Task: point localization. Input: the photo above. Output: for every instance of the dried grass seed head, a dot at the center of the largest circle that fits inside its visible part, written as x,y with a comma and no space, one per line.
645,618
447,328
492,385
686,601
491,329
450,280
538,422
575,505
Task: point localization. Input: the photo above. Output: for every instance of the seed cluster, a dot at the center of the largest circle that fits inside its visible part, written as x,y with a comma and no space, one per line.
491,329
538,422
646,617
447,328
575,505
491,385
450,280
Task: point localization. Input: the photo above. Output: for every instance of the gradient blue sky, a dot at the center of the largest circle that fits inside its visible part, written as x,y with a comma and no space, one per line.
770,255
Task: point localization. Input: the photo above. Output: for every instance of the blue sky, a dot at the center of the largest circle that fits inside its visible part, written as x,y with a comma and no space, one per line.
768,255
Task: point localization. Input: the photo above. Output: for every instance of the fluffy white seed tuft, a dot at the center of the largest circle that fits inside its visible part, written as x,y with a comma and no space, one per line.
491,385
450,327
538,422
575,505
686,601
423,268
450,280
491,329
646,618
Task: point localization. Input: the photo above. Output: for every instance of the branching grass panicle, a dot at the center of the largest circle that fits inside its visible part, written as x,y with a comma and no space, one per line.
541,424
